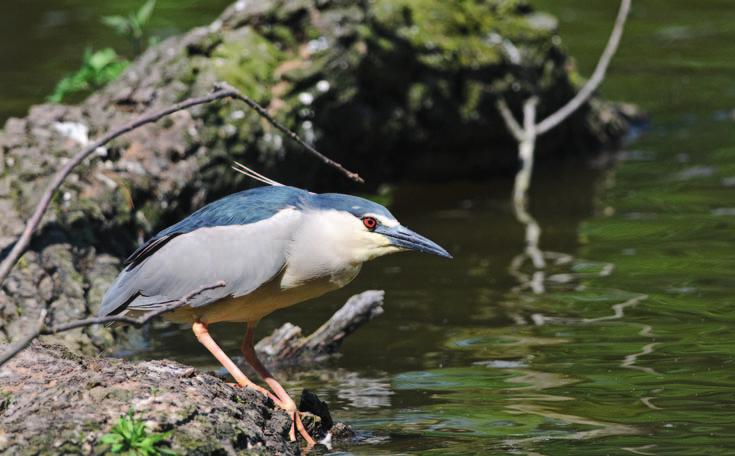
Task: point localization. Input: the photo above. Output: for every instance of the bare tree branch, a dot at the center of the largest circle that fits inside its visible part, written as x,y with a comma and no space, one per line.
510,121
597,76
286,345
222,90
260,110
43,329
529,116
526,137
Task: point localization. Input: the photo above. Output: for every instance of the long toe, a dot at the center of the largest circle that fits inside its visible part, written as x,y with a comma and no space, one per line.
289,406
298,424
296,418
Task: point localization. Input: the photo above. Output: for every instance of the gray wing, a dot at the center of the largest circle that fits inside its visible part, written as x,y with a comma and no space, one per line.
243,256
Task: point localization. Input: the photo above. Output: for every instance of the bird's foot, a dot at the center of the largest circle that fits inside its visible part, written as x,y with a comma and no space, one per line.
296,423
289,406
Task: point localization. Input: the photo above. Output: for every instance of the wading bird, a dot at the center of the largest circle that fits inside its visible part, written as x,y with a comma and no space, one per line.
273,246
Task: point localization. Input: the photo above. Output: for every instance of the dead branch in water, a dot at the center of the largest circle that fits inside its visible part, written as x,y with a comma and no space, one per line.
286,345
526,135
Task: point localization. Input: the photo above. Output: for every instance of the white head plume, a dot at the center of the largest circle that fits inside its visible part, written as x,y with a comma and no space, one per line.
242,169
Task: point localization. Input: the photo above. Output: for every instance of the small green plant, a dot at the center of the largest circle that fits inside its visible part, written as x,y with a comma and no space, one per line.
133,25
130,437
5,399
98,68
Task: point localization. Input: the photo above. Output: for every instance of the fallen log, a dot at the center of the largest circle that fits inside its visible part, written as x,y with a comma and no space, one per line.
287,347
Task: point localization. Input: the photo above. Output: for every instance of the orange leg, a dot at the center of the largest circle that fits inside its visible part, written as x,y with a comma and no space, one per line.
248,350
200,330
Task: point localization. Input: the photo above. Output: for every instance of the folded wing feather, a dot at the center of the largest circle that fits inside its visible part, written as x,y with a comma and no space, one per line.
243,256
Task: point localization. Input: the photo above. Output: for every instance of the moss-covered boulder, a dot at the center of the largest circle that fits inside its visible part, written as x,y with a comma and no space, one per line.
393,89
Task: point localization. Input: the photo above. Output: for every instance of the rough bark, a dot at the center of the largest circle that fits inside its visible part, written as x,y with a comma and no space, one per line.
381,86
286,347
55,402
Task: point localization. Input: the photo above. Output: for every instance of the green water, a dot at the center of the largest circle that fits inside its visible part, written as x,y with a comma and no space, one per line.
629,350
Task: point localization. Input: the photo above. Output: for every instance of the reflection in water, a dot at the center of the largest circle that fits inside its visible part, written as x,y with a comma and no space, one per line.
352,389
527,404
641,449
536,282
603,429
630,361
532,230
364,392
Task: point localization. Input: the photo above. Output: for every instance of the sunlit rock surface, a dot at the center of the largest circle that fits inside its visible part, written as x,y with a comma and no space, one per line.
54,402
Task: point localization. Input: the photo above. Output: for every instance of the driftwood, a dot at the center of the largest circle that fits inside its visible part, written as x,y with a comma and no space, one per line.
285,346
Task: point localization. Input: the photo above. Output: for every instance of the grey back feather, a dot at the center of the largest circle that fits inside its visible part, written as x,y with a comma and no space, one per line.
243,256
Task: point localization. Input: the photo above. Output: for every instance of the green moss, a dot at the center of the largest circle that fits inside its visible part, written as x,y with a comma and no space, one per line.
247,60
417,96
5,400
457,33
149,216
281,34
444,31
22,265
473,96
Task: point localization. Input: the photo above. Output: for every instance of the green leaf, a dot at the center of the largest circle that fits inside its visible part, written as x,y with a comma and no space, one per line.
111,439
118,23
136,28
97,69
100,59
130,436
144,13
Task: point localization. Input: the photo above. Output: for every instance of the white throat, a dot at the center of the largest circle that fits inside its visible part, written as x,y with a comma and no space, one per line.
331,245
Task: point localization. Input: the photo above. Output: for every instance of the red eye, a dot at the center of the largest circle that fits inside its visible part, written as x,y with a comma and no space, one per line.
370,223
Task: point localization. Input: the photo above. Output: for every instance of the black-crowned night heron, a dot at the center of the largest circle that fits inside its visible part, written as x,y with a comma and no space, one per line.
273,247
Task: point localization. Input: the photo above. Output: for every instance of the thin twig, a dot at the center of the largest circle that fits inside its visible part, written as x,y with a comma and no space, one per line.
43,329
597,76
222,90
260,110
510,121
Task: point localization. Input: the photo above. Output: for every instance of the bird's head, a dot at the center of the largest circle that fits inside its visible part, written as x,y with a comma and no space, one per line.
366,230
